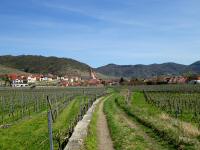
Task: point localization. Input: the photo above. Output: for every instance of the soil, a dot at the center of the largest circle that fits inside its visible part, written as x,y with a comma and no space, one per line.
104,138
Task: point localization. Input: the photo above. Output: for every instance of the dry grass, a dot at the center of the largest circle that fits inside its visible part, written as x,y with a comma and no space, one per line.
164,116
188,129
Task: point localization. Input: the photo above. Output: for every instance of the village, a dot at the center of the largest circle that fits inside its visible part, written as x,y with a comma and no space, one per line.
173,80
28,80
40,80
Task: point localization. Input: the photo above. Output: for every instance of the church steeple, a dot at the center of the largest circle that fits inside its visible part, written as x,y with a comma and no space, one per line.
93,74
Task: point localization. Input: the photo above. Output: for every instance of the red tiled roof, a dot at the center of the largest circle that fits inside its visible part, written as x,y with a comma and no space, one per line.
94,81
12,76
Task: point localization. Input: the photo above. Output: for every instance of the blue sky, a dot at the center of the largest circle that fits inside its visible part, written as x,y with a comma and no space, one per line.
99,32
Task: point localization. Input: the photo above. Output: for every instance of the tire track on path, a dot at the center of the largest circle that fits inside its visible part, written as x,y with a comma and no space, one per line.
104,138
153,144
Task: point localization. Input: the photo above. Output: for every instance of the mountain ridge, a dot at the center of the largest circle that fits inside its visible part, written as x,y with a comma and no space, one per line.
146,71
63,66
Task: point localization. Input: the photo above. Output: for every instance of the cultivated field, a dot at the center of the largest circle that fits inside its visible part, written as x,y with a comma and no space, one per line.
23,115
150,117
127,118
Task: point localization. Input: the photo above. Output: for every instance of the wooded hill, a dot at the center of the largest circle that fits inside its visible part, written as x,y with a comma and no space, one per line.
146,71
8,70
45,65
63,66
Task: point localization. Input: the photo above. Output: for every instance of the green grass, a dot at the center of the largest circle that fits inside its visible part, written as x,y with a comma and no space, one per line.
28,134
32,133
66,118
168,128
91,142
123,136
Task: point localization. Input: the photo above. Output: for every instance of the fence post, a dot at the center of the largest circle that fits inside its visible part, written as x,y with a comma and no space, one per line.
50,108
3,107
50,130
57,109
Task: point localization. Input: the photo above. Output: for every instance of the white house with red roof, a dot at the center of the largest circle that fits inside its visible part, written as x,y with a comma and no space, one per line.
31,79
18,80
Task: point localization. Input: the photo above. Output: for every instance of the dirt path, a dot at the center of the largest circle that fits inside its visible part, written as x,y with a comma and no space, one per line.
153,144
123,116
105,141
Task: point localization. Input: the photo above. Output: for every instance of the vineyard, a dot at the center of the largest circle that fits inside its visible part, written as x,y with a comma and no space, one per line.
168,88
184,106
152,117
138,117
23,115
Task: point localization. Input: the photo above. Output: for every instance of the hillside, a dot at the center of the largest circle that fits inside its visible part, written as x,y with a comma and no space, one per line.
194,68
145,71
44,65
8,70
62,66
105,77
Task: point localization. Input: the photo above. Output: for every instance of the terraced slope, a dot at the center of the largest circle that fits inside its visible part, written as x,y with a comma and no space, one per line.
8,70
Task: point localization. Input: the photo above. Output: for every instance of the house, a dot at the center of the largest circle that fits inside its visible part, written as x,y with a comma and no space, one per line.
66,78
46,78
60,78
71,80
12,76
38,77
31,79
77,78
2,80
50,79
182,80
198,80
195,81
110,82
19,85
171,80
178,80
64,83
94,82
19,81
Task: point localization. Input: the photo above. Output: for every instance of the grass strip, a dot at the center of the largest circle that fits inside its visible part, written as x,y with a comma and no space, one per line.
33,133
91,141
123,136
148,115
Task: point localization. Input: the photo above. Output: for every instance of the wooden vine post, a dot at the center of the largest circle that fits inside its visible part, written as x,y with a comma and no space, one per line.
50,130
50,122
